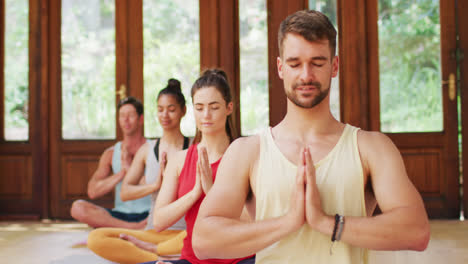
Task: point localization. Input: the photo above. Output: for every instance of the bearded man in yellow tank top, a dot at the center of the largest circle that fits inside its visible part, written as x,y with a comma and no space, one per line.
310,180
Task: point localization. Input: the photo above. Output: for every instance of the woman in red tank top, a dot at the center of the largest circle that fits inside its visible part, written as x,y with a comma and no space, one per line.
189,175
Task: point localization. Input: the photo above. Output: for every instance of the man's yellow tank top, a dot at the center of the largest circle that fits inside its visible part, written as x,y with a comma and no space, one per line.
340,180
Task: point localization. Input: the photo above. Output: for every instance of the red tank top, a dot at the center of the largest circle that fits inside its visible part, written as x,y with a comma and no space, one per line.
186,183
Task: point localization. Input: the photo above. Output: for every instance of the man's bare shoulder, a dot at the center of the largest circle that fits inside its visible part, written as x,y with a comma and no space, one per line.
104,168
374,141
242,153
109,149
248,146
376,148
107,154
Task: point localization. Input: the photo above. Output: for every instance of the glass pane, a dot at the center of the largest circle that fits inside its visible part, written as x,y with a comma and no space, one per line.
253,42
88,69
171,50
16,70
409,59
328,7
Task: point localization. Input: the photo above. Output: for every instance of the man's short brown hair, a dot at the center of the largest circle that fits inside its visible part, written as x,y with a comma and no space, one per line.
133,101
311,25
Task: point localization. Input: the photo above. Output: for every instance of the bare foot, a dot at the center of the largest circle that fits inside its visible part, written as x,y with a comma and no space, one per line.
81,244
139,243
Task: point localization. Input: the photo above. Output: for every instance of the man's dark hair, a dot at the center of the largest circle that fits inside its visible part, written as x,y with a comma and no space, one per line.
133,101
311,25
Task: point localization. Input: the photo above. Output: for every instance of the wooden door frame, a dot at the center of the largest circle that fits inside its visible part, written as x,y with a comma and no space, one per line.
129,51
2,72
462,8
219,44
441,143
128,45
41,103
448,42
354,53
32,202
55,95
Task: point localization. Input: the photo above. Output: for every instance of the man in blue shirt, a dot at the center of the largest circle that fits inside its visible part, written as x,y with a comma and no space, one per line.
113,165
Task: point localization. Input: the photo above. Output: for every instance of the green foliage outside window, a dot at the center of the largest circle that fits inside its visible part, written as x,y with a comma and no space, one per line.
88,69
171,50
409,54
16,70
253,42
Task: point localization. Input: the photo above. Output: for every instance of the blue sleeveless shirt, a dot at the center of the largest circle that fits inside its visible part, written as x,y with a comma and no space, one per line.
133,206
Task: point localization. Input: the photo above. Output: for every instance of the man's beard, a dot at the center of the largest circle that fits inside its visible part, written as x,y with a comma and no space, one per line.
309,104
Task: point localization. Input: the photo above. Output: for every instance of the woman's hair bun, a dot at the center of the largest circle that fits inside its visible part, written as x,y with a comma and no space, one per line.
174,85
174,89
215,72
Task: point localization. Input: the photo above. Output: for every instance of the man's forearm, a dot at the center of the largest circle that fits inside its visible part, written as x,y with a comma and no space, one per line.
98,188
399,229
220,237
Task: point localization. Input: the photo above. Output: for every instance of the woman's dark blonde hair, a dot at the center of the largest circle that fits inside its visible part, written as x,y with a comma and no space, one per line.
216,78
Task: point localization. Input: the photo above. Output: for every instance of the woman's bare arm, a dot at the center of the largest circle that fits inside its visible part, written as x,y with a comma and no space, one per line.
131,187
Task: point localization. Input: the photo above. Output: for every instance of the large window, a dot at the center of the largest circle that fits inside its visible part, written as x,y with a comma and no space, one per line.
171,50
16,70
328,7
88,69
253,42
409,59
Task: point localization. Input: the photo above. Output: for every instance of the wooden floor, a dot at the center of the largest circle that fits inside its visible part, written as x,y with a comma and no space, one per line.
61,243
448,245
45,243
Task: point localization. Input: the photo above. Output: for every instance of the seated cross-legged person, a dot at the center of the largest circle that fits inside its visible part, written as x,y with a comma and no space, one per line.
144,178
113,165
189,174
311,181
